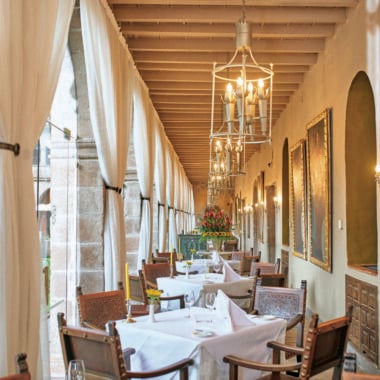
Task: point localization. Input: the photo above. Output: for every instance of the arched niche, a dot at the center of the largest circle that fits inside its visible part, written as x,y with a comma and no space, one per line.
360,157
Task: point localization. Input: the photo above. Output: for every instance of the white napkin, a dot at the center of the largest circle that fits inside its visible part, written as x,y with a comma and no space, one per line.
215,257
231,314
229,274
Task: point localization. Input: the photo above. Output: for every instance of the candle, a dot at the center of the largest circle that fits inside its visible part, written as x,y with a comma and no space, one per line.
127,288
171,258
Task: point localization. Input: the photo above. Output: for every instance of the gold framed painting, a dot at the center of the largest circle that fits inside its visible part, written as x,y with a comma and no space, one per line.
298,218
319,190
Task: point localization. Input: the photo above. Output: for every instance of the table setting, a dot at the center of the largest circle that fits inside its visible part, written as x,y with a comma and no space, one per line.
206,336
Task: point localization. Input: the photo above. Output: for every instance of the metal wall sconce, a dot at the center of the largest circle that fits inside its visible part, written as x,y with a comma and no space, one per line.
377,174
276,202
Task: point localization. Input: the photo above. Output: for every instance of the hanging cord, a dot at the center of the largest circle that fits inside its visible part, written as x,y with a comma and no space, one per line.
242,19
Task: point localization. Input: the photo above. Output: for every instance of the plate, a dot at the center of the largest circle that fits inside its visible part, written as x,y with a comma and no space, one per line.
267,317
203,333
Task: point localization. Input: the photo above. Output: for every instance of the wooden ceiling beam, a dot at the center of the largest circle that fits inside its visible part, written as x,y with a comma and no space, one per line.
226,13
294,45
210,57
275,3
143,29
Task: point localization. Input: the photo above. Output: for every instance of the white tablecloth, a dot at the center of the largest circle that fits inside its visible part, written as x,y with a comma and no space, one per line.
182,285
172,338
200,265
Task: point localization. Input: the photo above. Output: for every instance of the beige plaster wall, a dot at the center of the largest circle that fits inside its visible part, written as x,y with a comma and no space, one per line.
354,48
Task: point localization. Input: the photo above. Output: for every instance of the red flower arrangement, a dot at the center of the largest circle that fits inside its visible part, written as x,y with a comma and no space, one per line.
215,224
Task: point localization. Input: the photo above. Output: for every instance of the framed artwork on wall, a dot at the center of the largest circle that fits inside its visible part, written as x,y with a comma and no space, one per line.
319,190
298,214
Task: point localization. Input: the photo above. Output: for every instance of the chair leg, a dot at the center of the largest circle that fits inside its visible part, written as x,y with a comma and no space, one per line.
234,370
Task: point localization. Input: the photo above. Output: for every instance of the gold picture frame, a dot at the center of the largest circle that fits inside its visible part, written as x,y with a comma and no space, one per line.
319,190
298,218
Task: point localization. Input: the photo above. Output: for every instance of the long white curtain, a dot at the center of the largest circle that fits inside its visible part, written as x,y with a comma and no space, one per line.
110,82
144,143
172,233
160,182
33,37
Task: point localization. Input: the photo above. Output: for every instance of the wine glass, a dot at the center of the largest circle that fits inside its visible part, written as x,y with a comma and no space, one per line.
210,300
189,301
217,266
76,370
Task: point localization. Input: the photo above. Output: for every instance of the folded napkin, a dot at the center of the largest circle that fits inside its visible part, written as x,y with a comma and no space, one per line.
231,314
215,257
229,274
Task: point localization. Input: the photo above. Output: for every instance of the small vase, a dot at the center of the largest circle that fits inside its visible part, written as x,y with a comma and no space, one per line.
151,318
187,272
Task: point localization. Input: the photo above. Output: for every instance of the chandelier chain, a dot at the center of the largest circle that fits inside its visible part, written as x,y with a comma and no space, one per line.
243,12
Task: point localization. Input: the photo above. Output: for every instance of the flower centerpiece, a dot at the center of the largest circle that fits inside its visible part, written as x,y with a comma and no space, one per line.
153,295
216,226
187,265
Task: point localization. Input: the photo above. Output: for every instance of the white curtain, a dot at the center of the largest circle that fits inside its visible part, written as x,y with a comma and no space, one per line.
144,143
160,185
33,37
172,233
110,82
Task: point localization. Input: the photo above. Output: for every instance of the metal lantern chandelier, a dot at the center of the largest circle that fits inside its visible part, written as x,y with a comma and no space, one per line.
241,108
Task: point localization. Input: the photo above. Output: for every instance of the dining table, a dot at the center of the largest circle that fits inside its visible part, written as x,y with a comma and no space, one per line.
183,284
203,337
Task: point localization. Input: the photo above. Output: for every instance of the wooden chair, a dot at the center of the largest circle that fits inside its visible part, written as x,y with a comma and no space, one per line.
22,369
238,291
152,271
286,303
246,262
230,245
179,297
270,279
325,349
102,354
265,267
96,309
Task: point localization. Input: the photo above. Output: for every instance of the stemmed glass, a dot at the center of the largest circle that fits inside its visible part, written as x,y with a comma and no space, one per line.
189,301
210,300
217,266
76,370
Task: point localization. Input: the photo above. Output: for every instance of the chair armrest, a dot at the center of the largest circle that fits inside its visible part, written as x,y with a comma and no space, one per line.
179,365
127,352
179,297
240,362
293,322
150,284
286,348
90,326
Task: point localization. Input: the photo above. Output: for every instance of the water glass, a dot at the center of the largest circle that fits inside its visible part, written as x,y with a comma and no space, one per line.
76,370
210,300
189,301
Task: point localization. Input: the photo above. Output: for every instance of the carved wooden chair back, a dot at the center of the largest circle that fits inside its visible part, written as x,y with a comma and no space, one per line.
102,353
270,279
96,309
327,343
152,271
230,245
246,263
22,369
325,349
286,303
265,267
166,255
100,350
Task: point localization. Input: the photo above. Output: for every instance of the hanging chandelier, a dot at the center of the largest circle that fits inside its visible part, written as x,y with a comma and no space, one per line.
241,108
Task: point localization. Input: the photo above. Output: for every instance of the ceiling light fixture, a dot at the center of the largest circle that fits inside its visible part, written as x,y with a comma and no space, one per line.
242,93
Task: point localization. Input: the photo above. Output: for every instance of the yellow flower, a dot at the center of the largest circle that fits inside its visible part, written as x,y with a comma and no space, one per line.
153,295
